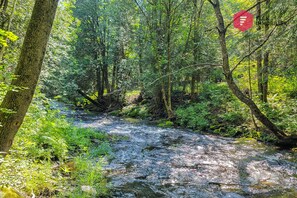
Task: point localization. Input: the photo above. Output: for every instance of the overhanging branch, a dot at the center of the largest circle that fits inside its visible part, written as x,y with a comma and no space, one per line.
254,50
199,67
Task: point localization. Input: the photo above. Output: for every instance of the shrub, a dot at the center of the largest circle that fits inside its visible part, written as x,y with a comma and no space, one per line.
135,111
165,123
47,140
194,116
216,94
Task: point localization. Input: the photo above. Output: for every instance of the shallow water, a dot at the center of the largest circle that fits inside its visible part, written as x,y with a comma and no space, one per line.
158,162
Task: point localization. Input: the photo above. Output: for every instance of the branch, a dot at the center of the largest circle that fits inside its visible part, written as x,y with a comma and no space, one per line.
258,47
288,20
140,8
212,3
204,65
175,8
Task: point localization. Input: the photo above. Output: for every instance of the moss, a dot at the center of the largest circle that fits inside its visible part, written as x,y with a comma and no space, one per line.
165,123
8,192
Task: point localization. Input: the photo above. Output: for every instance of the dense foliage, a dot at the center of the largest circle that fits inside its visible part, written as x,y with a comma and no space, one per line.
157,59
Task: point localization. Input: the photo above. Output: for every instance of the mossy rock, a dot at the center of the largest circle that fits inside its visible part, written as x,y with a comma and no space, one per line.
8,192
165,123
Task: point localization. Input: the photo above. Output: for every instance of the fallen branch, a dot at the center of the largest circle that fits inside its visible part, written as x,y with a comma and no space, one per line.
88,98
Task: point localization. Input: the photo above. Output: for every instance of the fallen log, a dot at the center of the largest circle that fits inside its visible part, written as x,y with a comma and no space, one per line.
88,98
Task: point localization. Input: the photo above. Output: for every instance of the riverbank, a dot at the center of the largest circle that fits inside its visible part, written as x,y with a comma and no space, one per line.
215,111
52,158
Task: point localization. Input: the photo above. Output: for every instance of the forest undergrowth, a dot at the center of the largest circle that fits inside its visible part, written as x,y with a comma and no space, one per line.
52,158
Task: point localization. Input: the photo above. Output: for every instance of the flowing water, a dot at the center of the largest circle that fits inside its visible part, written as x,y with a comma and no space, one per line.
164,162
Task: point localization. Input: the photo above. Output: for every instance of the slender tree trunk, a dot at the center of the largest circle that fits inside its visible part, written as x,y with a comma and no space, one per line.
259,54
169,83
196,38
2,50
229,78
3,14
4,4
27,71
266,60
193,83
114,76
120,55
185,83
265,76
99,83
105,70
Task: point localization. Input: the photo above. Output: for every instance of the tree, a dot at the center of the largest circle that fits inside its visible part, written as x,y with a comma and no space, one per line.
259,53
9,21
27,71
229,78
264,93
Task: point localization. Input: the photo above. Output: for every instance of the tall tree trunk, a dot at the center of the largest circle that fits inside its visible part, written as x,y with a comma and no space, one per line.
196,76
27,71
259,54
105,70
229,78
265,76
266,59
99,83
114,76
168,103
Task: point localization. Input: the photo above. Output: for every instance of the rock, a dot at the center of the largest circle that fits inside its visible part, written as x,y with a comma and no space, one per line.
88,189
232,195
287,143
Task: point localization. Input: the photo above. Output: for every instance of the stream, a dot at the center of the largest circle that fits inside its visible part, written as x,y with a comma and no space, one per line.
158,162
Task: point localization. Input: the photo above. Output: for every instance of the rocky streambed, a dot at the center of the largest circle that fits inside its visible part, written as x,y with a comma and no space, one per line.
163,162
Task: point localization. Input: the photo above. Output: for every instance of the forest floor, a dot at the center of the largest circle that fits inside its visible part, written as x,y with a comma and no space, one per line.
151,161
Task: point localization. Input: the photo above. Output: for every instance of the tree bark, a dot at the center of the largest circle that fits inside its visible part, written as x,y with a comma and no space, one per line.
259,54
266,60
99,83
2,50
4,4
229,78
168,103
27,71
265,77
196,49
3,14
